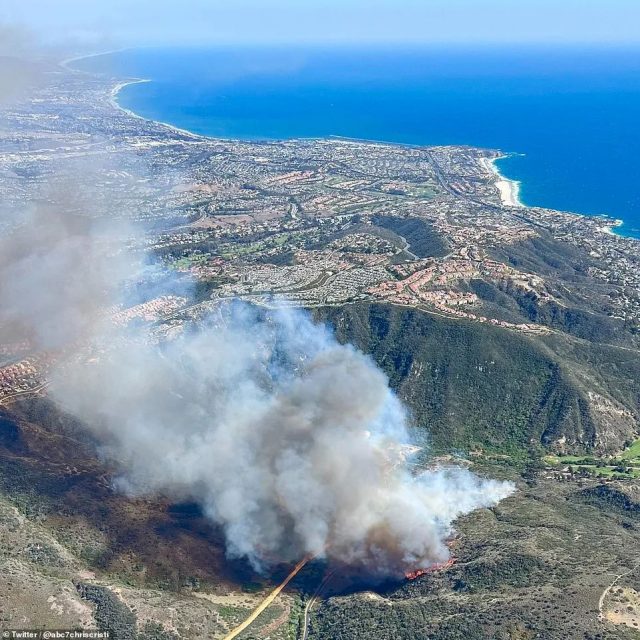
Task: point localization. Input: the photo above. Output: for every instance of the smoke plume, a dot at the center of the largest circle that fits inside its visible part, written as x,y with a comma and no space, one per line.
59,273
293,443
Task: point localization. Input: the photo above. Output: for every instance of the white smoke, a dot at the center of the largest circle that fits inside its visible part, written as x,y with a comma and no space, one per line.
294,444
290,441
58,274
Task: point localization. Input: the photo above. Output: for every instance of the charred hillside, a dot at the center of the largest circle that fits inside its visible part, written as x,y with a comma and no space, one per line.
50,471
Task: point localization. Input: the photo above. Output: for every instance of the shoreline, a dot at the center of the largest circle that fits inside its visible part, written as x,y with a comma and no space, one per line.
609,229
119,86
113,100
509,189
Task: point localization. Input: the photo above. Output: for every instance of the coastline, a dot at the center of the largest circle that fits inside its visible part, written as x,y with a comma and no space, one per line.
113,99
119,86
509,189
510,197
609,229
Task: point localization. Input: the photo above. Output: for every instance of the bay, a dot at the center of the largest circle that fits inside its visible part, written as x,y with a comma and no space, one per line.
568,117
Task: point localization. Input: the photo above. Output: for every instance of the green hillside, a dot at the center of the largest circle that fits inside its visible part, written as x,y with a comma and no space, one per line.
477,386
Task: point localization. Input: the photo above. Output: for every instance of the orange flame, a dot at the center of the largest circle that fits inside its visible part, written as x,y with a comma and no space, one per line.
439,566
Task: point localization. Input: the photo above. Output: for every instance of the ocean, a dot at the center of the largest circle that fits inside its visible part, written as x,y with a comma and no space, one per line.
569,117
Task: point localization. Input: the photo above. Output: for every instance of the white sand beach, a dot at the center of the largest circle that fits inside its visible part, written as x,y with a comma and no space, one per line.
509,192
509,189
609,228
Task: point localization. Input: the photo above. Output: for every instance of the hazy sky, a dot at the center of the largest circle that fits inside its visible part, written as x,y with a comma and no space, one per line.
127,22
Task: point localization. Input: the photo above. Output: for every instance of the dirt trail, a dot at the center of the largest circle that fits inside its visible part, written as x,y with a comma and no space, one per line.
601,615
311,603
267,601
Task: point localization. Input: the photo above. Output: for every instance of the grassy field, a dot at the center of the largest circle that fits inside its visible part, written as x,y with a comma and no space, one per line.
632,452
610,467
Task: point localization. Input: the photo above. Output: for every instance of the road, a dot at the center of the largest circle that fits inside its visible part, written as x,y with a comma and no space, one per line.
18,394
267,601
312,601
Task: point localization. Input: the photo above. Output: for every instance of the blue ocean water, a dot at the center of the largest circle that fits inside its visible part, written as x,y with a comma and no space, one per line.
569,116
